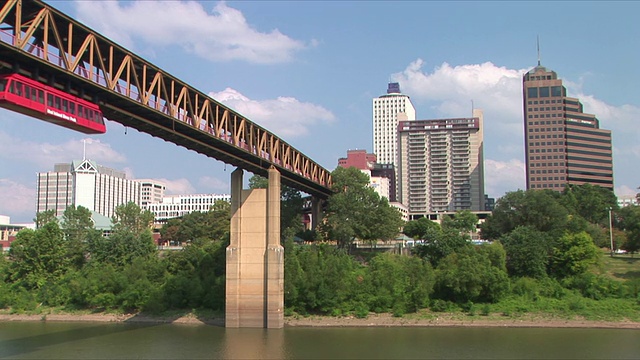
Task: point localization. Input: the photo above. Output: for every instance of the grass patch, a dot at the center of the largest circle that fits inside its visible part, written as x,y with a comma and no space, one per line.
570,307
621,266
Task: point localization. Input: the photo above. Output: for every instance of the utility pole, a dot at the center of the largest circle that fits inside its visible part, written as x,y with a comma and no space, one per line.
610,232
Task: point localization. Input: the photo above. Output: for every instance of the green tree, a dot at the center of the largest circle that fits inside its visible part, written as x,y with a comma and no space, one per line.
290,212
131,218
325,280
120,248
130,237
528,252
470,276
399,283
78,229
44,217
496,253
170,231
213,225
192,226
539,209
355,210
462,221
293,275
628,220
196,276
590,202
441,245
258,182
38,256
422,229
573,254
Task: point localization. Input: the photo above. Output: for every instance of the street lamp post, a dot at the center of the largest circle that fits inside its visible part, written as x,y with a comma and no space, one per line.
610,232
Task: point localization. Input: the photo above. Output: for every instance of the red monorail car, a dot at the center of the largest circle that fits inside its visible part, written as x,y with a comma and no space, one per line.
27,96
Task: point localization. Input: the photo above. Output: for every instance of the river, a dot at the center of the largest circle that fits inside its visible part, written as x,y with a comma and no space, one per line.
51,340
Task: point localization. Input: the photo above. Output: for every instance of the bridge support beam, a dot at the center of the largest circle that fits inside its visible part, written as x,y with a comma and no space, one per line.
255,258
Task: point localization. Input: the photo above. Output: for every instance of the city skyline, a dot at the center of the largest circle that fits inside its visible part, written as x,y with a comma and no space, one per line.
311,81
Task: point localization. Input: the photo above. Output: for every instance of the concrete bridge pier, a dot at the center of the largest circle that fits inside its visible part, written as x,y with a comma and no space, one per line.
255,258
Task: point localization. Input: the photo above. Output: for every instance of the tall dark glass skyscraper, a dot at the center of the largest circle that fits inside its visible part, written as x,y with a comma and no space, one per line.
563,145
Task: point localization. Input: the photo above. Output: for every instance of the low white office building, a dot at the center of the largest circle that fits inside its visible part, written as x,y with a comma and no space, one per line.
175,206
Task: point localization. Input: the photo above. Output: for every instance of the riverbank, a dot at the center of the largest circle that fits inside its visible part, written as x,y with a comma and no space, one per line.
373,320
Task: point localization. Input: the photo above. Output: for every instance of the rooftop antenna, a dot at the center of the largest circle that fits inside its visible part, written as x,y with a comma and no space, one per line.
538,42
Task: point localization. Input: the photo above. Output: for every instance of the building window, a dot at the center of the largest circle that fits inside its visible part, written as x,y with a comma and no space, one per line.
544,91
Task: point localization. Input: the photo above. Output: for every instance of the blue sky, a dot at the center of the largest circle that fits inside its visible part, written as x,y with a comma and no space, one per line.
308,71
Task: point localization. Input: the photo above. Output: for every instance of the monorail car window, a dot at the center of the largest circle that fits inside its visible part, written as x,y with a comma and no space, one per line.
65,105
41,96
95,116
49,100
19,88
3,84
56,102
81,111
34,94
72,108
27,92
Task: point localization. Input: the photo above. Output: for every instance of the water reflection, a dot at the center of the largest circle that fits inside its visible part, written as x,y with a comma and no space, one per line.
47,340
254,344
26,338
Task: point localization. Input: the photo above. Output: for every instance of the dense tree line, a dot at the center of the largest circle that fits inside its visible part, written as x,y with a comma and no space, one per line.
544,245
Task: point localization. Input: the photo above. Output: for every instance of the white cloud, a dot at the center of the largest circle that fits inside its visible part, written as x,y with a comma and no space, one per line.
128,172
46,154
215,184
220,35
178,186
503,176
450,90
17,199
285,116
625,191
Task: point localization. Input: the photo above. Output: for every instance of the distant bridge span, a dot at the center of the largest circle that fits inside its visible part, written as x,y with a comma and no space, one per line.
43,43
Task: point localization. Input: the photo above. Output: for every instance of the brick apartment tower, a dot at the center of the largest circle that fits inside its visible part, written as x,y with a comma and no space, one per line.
563,145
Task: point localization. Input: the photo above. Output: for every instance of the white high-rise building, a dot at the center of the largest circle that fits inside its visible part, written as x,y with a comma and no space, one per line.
85,183
388,111
442,165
